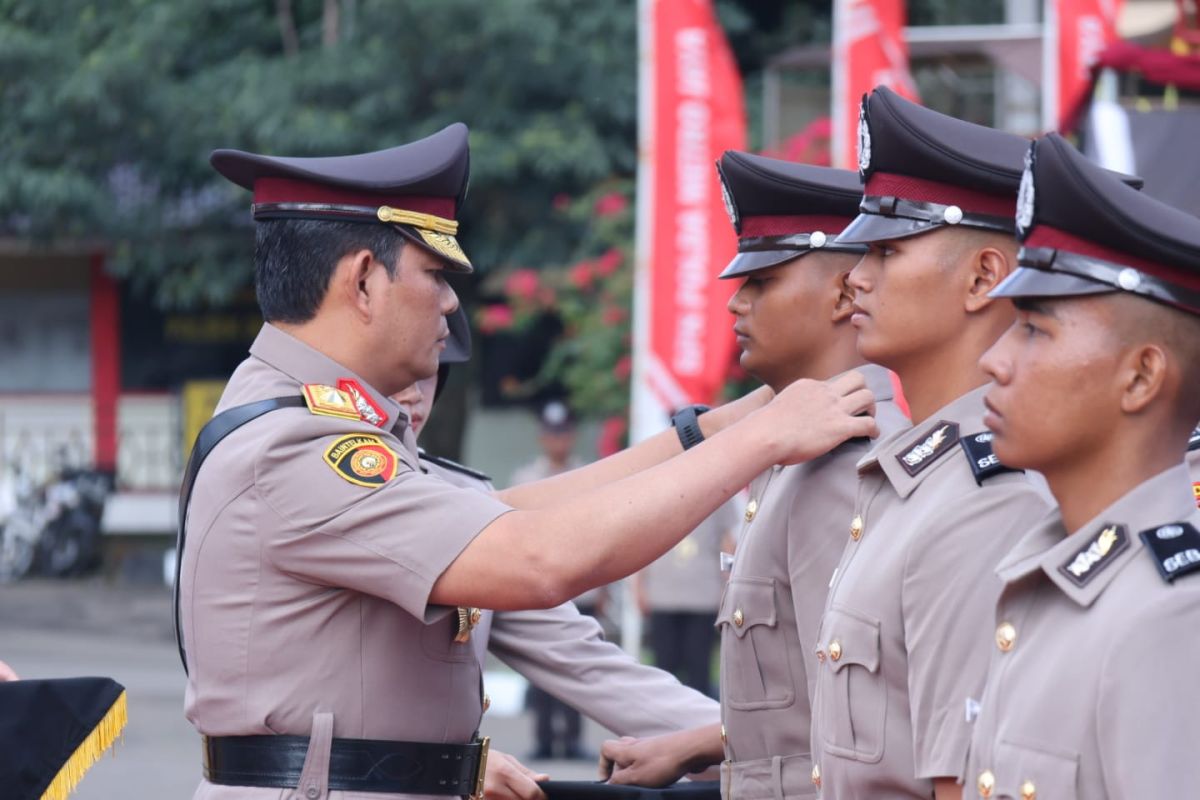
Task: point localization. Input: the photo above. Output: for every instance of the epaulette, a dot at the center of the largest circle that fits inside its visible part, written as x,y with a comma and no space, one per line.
978,447
1194,441
330,401
929,448
453,466
1175,548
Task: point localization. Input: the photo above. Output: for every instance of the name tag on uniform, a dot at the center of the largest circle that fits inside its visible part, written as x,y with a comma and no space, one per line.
726,561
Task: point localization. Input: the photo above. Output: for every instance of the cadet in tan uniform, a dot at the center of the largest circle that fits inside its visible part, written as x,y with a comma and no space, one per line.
320,567
1092,693
560,650
792,317
899,655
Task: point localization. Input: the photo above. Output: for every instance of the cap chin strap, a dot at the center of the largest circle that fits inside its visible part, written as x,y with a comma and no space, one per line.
1119,276
934,213
800,242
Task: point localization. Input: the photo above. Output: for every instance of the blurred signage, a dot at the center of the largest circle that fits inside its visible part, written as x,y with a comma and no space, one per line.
198,402
1081,29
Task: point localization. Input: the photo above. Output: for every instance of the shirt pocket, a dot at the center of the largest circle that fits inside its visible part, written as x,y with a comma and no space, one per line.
755,663
851,694
1024,770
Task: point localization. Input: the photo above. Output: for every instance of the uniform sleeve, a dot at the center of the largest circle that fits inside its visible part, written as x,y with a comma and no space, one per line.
564,653
1148,716
948,599
392,540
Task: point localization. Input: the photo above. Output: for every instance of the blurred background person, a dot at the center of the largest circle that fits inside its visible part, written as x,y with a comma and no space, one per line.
679,595
557,726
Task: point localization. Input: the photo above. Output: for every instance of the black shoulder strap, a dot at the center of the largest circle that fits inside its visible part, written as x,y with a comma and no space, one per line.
210,436
984,464
1194,440
453,466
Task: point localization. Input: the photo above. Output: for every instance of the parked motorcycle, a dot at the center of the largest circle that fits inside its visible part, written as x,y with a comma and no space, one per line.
54,529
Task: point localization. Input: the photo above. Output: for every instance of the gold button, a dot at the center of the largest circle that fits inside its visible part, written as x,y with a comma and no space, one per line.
476,615
1028,791
724,736
487,701
856,528
835,650
816,776
751,509
986,783
738,617
1006,635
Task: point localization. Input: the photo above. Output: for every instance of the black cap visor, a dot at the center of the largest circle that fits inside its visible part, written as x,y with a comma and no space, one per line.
1034,282
771,251
869,228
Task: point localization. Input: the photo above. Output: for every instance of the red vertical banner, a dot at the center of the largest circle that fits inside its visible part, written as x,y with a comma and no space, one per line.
696,113
106,362
869,50
1084,29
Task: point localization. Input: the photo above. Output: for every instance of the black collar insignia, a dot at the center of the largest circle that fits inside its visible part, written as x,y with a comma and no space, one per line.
978,447
1100,551
453,466
1175,547
925,451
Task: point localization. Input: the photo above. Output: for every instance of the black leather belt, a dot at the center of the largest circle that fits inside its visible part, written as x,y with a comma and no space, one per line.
360,765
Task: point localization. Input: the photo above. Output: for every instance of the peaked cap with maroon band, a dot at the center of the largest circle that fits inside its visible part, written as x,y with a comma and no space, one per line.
417,187
1085,232
782,210
923,170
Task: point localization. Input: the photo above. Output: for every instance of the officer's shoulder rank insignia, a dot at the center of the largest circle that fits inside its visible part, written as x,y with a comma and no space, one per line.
363,404
453,466
1175,548
329,401
984,464
362,459
1196,492
929,448
1194,440
1097,553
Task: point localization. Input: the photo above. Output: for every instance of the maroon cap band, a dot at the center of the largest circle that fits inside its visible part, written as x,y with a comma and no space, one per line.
1053,238
886,184
288,190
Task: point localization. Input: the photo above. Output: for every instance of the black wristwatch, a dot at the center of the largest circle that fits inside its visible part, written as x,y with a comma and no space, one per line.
688,426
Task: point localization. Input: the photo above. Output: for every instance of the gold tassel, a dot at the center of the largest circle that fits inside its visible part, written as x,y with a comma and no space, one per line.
89,751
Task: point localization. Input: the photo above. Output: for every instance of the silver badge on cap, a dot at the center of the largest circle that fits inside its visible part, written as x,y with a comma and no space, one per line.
1129,279
864,140
1025,197
816,239
730,206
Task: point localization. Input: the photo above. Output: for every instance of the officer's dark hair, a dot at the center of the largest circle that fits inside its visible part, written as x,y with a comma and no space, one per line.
294,261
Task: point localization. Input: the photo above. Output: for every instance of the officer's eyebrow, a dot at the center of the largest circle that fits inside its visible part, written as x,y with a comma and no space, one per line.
1036,305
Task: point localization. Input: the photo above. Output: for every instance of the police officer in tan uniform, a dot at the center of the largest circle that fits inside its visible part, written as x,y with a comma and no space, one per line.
1092,693
792,317
560,650
321,568
899,657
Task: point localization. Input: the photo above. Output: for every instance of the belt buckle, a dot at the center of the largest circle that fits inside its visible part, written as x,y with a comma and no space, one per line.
481,768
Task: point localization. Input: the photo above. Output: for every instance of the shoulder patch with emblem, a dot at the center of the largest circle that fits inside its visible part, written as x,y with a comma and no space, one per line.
978,447
363,460
1175,548
1099,551
453,466
1194,440
363,404
928,449
329,401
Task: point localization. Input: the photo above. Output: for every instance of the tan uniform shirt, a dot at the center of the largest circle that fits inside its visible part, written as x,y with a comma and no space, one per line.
688,576
900,652
565,653
303,592
793,534
1093,691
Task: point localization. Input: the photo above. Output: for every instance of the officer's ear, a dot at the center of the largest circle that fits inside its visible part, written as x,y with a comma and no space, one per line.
843,307
1141,375
990,265
353,281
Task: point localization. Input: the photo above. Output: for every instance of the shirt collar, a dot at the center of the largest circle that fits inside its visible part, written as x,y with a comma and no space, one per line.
965,412
1164,498
304,365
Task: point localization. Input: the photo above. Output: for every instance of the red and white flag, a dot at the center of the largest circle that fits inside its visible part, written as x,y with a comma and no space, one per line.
869,50
691,111
1079,31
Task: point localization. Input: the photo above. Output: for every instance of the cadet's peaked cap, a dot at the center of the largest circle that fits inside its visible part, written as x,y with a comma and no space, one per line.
782,210
1085,232
923,170
417,187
